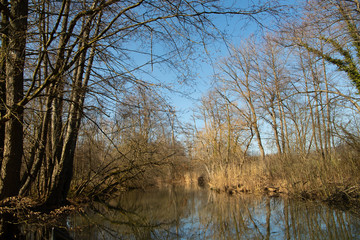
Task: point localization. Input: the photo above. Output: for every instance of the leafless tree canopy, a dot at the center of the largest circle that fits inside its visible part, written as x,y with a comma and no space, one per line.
68,63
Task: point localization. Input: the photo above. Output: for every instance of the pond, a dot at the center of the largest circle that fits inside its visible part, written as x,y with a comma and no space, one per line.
195,213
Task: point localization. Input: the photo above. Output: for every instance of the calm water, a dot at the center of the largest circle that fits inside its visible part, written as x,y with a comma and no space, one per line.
178,213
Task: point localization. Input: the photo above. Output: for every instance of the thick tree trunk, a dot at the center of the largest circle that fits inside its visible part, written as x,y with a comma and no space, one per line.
13,141
63,169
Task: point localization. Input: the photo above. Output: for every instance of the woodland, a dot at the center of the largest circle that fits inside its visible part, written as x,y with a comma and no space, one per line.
82,115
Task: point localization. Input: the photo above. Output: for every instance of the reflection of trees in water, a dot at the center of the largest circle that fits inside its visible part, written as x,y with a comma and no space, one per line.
318,222
176,213
249,217
139,215
8,230
232,217
246,217
13,228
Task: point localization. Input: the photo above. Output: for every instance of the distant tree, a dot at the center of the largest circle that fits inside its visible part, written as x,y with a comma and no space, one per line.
238,73
224,139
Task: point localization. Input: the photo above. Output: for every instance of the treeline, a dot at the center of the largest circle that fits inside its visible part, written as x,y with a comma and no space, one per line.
290,98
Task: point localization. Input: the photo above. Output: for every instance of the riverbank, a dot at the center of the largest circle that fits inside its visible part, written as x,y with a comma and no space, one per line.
25,211
335,180
180,212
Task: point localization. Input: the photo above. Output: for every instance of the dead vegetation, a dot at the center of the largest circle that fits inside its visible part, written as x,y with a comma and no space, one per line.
335,181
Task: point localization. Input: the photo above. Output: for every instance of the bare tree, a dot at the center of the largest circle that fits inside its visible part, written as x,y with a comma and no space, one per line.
223,141
330,30
271,64
14,45
238,74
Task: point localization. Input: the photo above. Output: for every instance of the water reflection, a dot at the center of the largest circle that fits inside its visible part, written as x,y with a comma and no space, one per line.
178,213
13,228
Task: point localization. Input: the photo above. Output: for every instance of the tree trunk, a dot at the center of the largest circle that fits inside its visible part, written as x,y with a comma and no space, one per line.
38,152
63,169
4,47
13,141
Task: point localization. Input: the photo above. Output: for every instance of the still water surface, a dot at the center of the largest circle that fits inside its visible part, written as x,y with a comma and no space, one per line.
179,213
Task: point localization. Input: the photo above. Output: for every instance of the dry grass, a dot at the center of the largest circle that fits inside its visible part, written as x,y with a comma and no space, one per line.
335,178
247,178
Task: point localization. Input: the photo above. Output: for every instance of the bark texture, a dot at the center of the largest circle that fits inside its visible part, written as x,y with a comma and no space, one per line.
13,141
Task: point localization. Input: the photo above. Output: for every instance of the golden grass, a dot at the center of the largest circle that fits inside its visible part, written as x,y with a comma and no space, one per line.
334,178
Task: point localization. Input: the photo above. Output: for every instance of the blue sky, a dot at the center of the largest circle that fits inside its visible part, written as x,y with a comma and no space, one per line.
185,95
237,30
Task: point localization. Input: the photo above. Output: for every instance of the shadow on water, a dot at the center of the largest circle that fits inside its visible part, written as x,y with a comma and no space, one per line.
9,230
179,213
12,228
